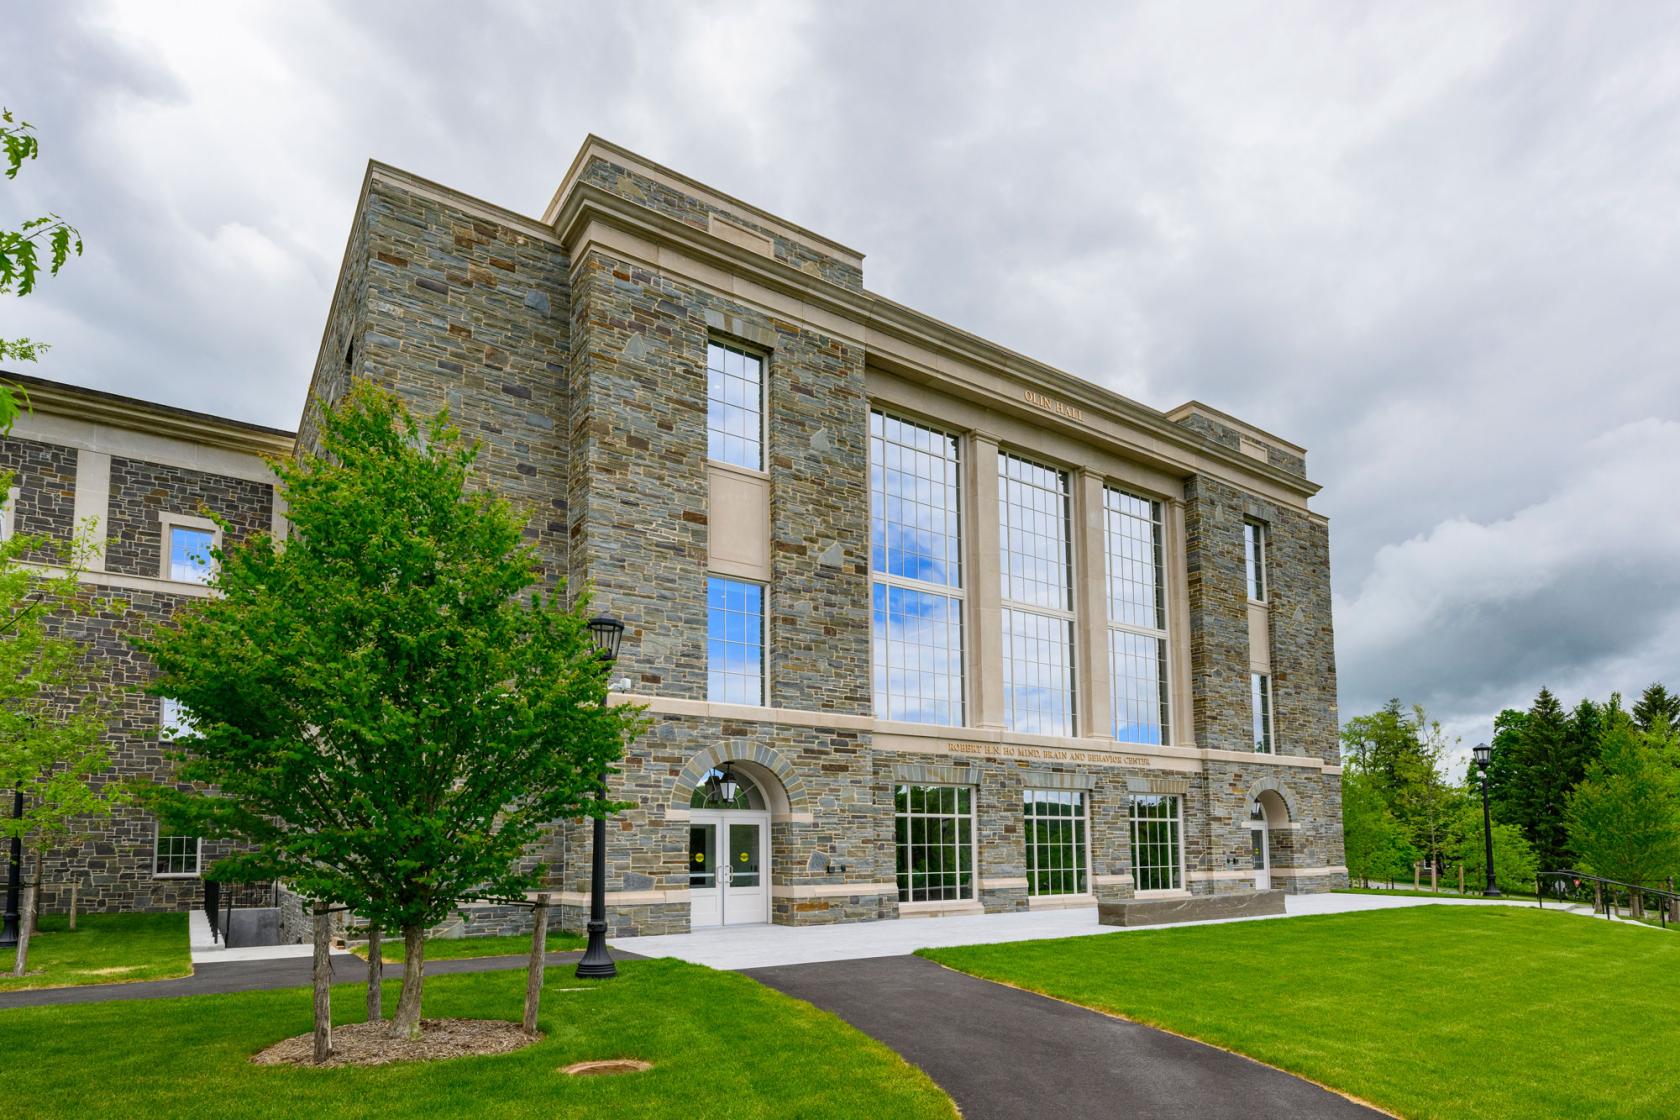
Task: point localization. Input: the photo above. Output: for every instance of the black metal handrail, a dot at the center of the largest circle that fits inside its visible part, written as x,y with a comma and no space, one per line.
1604,893
220,899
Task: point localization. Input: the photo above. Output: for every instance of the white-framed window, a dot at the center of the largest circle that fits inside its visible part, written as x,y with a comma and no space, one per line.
188,544
174,720
734,405
1254,560
1157,842
915,549
1036,560
1137,618
175,856
734,641
1260,693
1058,849
934,832
8,512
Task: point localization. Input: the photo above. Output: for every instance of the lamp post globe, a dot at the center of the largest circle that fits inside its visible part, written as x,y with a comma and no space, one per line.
597,964
1484,762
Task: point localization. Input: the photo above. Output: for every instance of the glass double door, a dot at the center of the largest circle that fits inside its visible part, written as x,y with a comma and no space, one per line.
728,867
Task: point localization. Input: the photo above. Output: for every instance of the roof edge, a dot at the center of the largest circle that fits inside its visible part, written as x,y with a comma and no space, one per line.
57,398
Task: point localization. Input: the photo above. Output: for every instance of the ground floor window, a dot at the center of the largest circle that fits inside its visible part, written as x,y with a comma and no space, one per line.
1156,860
935,840
1056,845
175,855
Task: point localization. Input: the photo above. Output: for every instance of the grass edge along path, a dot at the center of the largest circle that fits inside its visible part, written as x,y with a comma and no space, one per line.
1429,1012
105,949
722,1046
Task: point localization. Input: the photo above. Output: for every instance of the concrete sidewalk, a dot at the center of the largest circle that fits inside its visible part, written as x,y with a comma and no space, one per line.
767,946
1005,1054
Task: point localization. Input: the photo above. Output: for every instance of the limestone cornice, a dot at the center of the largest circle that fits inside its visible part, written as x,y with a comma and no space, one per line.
94,406
914,344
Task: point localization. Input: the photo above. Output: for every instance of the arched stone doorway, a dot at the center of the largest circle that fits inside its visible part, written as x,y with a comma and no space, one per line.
729,821
1268,818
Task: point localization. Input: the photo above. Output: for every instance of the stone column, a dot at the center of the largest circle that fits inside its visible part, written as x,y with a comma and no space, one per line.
1090,605
985,587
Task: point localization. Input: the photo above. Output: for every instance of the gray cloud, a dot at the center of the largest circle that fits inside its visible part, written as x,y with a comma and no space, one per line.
1436,246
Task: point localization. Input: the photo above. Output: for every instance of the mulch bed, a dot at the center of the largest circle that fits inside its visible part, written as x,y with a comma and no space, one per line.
371,1044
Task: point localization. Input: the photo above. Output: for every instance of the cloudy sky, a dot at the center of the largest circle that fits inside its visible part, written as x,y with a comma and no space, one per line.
1439,247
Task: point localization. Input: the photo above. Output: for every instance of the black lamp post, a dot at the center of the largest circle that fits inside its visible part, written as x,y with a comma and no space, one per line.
1484,762
9,930
597,963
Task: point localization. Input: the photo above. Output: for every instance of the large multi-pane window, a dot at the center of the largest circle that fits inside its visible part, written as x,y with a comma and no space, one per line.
915,557
935,840
1137,618
1260,689
1254,559
1157,861
734,641
1056,841
1037,578
734,406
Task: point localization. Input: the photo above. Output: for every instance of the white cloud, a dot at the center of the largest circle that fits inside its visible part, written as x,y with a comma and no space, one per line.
1437,247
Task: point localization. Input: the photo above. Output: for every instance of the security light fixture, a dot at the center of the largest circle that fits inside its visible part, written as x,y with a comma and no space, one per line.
1484,755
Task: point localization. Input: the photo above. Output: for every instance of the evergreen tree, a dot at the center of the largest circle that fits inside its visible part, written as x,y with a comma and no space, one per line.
1657,711
1540,777
1507,729
1401,754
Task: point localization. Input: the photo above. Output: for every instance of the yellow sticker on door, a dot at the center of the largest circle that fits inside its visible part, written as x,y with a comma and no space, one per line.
743,857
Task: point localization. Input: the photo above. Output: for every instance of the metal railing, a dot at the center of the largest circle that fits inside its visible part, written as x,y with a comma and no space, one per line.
220,900
1578,886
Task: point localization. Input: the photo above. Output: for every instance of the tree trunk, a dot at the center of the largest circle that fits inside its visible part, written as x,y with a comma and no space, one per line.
40,878
534,970
75,889
406,1024
323,985
25,924
376,976
1461,878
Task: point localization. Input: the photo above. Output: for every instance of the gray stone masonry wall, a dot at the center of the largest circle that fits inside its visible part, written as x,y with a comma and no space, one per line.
639,505
341,341
638,188
470,314
45,475
1302,639
141,490
1227,436
1314,839
111,858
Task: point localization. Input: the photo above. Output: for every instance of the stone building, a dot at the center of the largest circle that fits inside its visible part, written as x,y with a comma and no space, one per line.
923,626
959,631
141,484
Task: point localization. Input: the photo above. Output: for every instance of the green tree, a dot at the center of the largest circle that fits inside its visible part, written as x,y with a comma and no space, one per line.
1541,772
52,717
1624,820
1514,862
1657,711
390,717
1401,752
1375,843
20,255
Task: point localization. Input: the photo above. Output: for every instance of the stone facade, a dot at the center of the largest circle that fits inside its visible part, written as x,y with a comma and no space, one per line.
104,468
574,349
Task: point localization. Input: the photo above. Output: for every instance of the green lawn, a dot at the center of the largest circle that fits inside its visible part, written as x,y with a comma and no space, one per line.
456,948
1435,1011
722,1046
105,949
